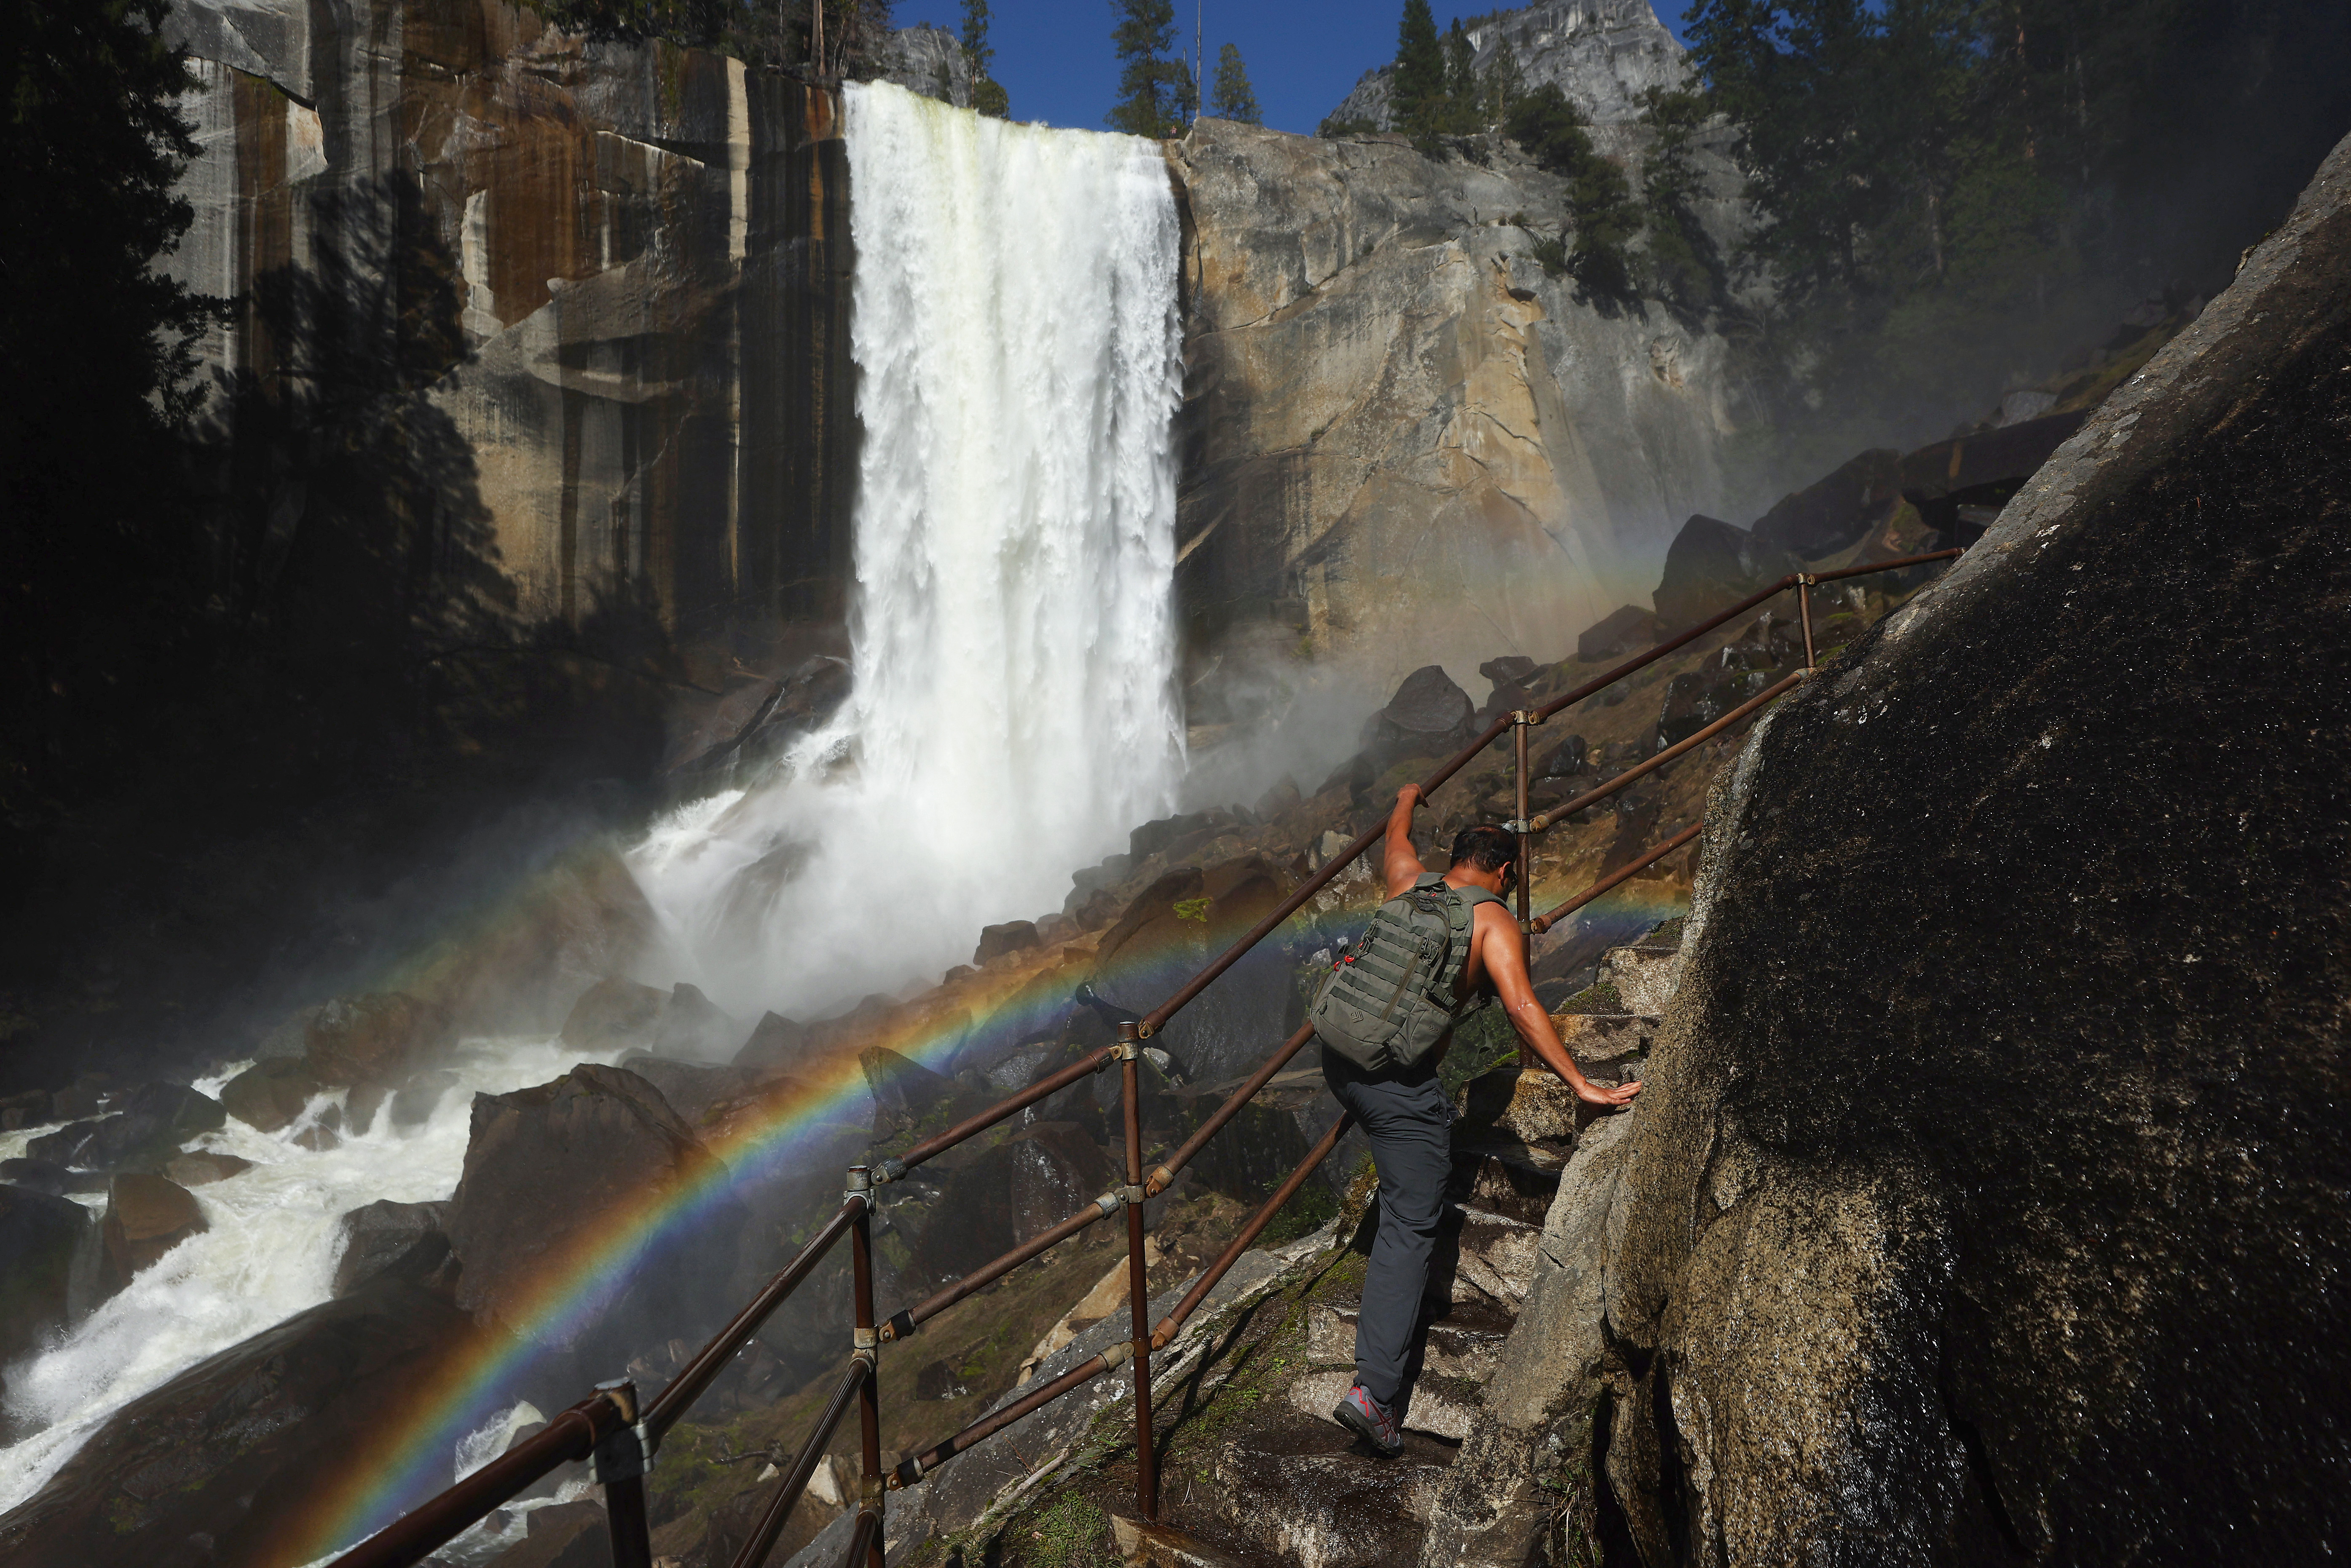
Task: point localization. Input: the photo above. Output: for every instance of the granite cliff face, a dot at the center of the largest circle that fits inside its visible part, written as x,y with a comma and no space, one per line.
574,314
1603,54
1405,440
1985,1200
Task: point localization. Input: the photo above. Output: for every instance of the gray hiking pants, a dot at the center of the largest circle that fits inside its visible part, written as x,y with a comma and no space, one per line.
1410,1125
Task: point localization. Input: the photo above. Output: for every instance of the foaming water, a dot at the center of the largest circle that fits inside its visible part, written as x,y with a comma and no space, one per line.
270,1252
1020,355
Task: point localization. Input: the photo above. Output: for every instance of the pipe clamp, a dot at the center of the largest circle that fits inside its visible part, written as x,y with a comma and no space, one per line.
1118,1355
1132,1193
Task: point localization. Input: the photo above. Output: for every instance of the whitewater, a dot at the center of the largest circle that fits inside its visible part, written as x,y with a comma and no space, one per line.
1014,713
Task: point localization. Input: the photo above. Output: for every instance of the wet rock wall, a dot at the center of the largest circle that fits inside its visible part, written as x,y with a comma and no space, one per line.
1986,1196
534,331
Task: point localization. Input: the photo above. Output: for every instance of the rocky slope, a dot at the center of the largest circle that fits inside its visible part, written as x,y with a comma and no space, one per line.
1989,1213
1405,440
1603,54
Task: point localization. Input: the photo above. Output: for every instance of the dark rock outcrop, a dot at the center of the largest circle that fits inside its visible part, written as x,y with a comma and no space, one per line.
219,1464
1987,1198
41,1235
406,1241
614,1014
1710,565
1011,937
1429,716
146,1217
142,1130
549,1170
1003,1196
271,1093
1626,630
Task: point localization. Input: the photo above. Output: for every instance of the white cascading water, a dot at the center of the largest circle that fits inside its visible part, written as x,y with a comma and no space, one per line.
1019,367
1014,713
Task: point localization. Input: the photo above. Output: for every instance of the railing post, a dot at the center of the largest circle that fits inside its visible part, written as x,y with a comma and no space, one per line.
1138,1285
1804,609
868,1347
1519,723
618,1465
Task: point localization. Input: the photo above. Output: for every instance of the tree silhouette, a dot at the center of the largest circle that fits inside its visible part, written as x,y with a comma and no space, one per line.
1231,97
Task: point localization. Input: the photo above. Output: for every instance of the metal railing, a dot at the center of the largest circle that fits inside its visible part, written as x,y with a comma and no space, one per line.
618,1439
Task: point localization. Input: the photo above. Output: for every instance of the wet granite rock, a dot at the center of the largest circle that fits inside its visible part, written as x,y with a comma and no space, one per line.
1429,716
375,1038
221,1463
1710,565
1988,1199
614,1014
776,1042
201,1167
408,1240
1011,937
146,1215
142,1130
562,1535
41,1237
1626,630
269,1094
692,1028
1001,1198
550,1171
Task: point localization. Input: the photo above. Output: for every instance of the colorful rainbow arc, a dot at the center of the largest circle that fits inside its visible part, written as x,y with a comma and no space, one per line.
412,1459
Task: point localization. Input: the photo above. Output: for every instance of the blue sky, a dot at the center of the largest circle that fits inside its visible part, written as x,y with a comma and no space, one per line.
1054,56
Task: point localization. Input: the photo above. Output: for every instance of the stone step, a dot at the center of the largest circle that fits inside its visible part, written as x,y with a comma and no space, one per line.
1465,1345
1305,1490
1143,1545
1503,1175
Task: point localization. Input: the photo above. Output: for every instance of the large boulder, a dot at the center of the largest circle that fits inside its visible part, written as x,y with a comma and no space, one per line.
1988,1201
692,1028
269,1094
224,1463
142,1130
614,1014
1833,513
1710,565
146,1217
561,1172
41,1236
407,1240
374,1038
1429,716
1003,1196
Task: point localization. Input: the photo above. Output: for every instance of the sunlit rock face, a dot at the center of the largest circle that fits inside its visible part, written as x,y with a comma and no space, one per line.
573,314
1405,440
1986,1202
1603,54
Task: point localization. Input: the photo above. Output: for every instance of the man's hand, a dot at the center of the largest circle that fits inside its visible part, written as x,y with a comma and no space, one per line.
1408,797
1592,1093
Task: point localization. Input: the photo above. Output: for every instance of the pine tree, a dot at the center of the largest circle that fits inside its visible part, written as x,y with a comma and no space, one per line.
1418,88
987,96
1504,86
1460,115
1154,85
1231,98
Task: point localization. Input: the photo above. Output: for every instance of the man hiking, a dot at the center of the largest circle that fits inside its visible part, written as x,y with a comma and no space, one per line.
1435,950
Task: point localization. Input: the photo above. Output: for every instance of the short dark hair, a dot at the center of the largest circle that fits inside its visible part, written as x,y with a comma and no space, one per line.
1487,847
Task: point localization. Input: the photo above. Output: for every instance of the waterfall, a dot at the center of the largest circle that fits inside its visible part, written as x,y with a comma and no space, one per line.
1015,331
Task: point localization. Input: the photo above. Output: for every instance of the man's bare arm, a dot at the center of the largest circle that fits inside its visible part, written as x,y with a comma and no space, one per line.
1505,953
1400,864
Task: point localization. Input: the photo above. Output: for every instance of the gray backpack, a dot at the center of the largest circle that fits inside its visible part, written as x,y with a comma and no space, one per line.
1388,1003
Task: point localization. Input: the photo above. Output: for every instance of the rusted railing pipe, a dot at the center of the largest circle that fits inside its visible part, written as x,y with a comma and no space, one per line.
1162,1336
865,1542
1518,827
795,1480
415,1535
1633,774
712,1359
915,1466
866,1347
1163,1175
904,1324
1617,877
619,1466
1138,1283
1094,1061
1157,1018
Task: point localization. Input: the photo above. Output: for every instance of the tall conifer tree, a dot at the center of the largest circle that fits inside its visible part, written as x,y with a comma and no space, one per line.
1232,98
1419,86
1154,85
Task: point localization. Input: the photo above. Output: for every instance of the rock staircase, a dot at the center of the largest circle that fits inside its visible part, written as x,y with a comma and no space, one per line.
1264,1479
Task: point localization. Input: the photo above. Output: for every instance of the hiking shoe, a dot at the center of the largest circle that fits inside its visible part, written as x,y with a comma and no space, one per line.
1362,1415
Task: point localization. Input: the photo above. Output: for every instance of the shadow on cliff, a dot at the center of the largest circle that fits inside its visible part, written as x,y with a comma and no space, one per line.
345,694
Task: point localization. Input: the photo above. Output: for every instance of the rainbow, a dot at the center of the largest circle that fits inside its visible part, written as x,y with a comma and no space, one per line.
410,1459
